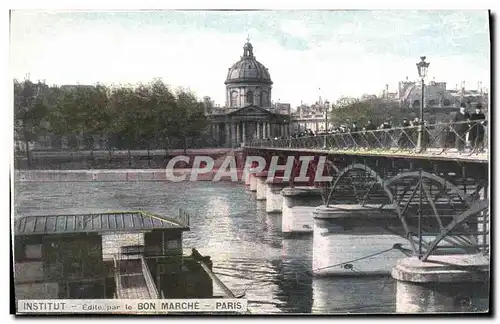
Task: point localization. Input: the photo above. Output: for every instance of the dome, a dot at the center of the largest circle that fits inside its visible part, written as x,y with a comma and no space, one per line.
248,69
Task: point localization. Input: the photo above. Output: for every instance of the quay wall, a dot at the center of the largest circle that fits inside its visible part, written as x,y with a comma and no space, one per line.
114,175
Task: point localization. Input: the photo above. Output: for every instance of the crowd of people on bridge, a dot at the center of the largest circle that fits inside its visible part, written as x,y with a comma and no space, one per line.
463,128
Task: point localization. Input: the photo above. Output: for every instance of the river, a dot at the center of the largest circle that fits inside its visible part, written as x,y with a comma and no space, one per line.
228,224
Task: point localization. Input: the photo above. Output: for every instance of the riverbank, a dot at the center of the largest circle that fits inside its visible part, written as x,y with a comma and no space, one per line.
122,175
118,159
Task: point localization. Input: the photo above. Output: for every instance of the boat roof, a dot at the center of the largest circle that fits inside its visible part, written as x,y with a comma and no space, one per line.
135,221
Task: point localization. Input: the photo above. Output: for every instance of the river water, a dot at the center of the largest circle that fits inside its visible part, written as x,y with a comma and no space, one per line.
245,243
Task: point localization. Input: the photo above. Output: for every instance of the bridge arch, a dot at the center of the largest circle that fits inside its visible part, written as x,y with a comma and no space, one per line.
377,181
447,215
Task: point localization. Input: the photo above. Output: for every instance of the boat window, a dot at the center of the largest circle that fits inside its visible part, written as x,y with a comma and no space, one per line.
33,251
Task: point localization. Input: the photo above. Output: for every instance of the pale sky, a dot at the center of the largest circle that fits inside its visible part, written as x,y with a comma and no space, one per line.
343,53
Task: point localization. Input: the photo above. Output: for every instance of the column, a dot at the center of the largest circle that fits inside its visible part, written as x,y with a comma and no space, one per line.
258,135
243,133
238,138
228,134
233,134
217,133
268,133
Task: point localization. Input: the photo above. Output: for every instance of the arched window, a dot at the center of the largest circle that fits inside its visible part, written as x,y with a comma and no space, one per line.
250,97
416,103
446,102
234,99
263,99
431,102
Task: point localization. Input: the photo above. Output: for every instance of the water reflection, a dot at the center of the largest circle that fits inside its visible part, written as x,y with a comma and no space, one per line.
245,243
353,295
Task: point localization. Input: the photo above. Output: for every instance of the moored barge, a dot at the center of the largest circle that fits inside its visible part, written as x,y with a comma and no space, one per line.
122,255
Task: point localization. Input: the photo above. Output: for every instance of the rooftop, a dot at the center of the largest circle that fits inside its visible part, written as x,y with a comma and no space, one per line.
133,221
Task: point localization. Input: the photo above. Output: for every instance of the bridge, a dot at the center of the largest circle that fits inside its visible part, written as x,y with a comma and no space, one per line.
424,189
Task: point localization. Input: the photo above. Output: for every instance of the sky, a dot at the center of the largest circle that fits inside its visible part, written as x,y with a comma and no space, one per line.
308,53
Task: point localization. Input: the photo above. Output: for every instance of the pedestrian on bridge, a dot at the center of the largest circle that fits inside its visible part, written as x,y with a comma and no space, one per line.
385,137
476,133
404,139
461,127
355,136
369,135
413,132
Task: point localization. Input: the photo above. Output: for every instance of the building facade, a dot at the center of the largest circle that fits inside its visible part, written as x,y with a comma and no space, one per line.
248,113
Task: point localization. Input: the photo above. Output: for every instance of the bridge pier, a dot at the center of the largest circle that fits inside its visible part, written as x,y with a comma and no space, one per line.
443,283
355,240
274,199
298,207
261,185
253,182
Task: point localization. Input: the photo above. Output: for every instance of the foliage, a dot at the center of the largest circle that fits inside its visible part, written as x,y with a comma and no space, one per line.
360,111
30,111
130,117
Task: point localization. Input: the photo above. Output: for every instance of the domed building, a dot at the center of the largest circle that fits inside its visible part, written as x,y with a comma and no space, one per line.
248,114
248,82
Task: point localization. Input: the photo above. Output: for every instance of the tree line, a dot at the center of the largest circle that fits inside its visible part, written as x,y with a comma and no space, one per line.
142,116
379,111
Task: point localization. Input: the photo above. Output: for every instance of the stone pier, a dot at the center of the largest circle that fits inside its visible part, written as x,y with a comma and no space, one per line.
274,199
247,179
442,283
253,182
298,207
356,240
261,185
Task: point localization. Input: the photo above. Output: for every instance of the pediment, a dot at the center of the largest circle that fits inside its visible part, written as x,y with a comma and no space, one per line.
251,111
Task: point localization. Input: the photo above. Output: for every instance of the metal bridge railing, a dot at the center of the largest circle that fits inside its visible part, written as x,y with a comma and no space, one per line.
461,137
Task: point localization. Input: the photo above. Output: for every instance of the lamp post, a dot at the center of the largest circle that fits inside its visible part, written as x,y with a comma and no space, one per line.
422,67
327,106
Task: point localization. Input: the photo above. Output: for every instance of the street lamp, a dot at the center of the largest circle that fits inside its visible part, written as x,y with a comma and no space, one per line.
422,67
327,105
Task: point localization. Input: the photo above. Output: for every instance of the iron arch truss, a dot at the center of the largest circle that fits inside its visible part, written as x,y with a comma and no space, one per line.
437,217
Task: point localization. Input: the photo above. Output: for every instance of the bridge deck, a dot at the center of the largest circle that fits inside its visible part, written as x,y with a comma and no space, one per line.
433,154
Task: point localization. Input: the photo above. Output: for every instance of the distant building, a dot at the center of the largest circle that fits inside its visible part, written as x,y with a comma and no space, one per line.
436,95
249,113
311,117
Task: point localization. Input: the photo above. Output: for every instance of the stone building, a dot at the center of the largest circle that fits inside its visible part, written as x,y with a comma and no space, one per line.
248,113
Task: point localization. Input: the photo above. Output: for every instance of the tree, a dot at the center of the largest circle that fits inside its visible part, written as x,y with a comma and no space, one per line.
162,106
30,112
190,121
376,110
122,106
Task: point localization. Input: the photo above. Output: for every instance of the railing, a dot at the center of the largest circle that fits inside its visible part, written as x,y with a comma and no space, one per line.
461,137
118,278
153,290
